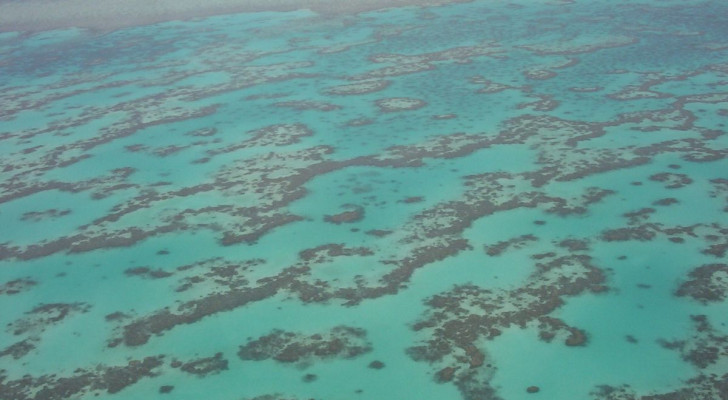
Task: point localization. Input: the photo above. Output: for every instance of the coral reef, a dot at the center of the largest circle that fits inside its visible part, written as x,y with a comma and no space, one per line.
289,347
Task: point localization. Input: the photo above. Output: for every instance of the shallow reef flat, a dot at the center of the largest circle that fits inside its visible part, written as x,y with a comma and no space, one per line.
449,200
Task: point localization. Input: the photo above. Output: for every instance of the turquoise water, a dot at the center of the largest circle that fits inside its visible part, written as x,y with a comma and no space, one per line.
481,200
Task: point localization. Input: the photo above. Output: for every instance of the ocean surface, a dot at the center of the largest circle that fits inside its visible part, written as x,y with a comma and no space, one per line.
482,200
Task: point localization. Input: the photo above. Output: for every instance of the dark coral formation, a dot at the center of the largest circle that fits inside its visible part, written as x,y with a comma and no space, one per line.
516,243
706,347
708,283
701,387
488,86
640,227
289,347
574,244
550,328
542,103
327,251
115,316
668,201
17,286
45,315
83,381
533,389
276,178
142,113
439,225
277,135
413,199
20,349
138,331
461,317
354,214
672,180
231,289
255,175
166,389
217,271
37,216
276,185
378,232
401,64
436,230
718,246
146,272
206,366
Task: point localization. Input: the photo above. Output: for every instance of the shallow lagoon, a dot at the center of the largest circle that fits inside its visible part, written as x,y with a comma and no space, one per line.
477,200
